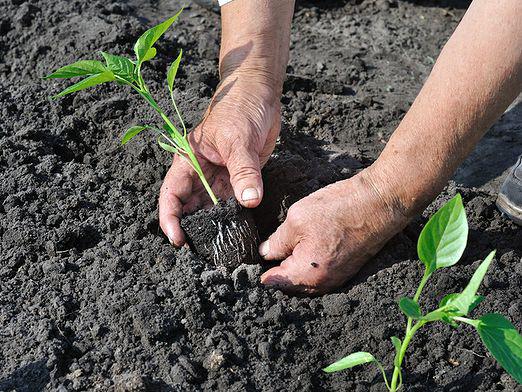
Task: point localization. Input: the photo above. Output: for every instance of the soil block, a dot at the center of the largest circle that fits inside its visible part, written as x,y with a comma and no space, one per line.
225,234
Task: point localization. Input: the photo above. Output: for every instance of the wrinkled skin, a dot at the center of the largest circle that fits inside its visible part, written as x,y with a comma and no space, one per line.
329,235
232,143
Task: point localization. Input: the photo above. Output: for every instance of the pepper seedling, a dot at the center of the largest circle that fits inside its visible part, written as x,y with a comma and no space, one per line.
127,72
441,244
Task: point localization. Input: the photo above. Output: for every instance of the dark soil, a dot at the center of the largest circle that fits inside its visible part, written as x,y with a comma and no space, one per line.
92,296
225,234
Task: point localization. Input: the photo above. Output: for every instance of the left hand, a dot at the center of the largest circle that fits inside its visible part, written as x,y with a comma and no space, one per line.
328,235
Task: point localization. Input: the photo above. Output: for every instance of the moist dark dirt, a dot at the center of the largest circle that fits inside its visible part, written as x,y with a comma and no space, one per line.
225,234
92,296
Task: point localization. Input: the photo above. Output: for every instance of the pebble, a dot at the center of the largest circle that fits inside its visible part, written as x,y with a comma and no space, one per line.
214,361
211,277
265,350
240,277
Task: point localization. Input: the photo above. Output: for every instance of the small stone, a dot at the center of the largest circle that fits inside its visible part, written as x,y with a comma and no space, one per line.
214,361
240,277
211,277
253,297
254,273
129,382
264,349
274,314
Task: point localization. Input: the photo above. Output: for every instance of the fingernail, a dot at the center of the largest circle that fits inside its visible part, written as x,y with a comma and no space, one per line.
170,236
264,248
250,194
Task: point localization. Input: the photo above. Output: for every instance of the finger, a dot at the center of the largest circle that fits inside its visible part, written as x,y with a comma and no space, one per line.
280,244
302,272
176,189
245,176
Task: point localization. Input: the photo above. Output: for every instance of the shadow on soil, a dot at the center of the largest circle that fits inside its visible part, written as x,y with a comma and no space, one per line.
496,152
32,377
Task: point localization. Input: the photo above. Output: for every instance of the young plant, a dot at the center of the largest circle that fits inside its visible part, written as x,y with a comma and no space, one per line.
124,71
441,244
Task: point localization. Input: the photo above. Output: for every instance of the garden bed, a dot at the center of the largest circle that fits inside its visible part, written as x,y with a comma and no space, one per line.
92,296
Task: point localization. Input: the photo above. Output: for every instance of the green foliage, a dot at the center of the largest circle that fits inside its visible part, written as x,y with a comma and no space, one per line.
120,66
173,70
350,361
144,45
124,71
410,308
443,239
467,299
131,132
167,147
503,342
441,244
90,81
79,68
397,344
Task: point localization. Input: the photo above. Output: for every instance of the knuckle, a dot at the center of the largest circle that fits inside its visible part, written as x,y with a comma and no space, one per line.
243,173
294,215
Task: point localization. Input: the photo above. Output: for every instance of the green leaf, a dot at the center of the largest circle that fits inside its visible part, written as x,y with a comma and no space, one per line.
350,361
438,314
443,239
151,53
410,308
503,342
120,66
397,344
467,300
92,80
477,299
168,147
148,39
79,68
449,320
173,70
131,132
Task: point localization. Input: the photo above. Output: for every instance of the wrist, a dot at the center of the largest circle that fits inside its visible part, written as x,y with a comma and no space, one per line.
404,187
256,40
251,84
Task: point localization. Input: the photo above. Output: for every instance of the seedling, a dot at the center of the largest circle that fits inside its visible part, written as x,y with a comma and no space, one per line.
441,244
124,71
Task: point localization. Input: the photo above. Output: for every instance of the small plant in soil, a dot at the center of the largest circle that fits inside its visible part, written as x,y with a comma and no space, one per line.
226,233
127,72
440,245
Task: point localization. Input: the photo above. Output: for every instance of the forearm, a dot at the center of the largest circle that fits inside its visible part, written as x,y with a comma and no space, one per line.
255,40
477,75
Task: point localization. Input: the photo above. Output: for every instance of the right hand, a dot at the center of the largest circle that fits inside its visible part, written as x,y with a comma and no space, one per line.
232,143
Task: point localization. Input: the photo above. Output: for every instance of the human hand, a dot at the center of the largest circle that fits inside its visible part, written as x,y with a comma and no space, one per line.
328,235
232,143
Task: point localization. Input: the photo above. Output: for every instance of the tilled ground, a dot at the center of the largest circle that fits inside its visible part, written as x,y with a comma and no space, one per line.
92,297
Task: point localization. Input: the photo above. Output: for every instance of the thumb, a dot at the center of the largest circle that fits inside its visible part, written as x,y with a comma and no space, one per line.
280,244
245,177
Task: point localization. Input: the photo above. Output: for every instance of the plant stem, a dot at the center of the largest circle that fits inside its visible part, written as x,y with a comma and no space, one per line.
179,114
410,331
466,320
424,279
180,140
